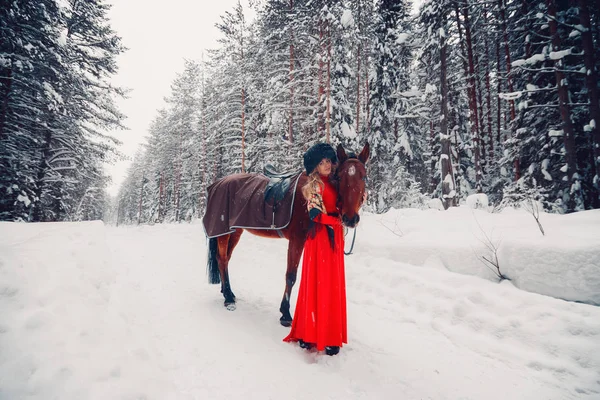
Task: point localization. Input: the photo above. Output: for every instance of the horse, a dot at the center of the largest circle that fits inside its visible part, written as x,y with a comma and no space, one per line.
351,177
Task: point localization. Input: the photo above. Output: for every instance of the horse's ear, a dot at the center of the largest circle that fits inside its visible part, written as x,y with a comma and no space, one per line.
341,154
364,154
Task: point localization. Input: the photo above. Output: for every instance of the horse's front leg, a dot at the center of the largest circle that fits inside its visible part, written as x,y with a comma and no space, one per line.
295,248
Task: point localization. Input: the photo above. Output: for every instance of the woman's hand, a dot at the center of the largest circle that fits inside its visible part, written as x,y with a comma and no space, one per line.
328,220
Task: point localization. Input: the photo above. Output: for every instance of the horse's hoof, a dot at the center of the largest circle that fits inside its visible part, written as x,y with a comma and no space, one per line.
285,322
230,306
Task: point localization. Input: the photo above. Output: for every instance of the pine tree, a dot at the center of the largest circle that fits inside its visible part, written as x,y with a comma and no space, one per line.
56,104
390,77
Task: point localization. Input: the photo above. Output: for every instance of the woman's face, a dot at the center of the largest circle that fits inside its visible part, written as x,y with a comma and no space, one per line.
324,167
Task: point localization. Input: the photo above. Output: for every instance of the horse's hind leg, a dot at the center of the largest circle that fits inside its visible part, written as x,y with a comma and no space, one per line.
225,246
295,248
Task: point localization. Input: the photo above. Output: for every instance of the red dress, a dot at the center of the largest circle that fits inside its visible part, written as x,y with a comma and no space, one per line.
320,315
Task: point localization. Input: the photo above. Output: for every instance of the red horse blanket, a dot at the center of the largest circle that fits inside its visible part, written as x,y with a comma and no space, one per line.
238,201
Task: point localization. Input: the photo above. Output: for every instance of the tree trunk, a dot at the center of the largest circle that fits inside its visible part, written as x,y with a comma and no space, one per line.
320,124
328,138
160,197
6,85
178,174
358,54
563,96
204,184
499,89
432,160
525,10
291,117
243,131
141,201
367,102
447,175
488,98
591,82
474,117
460,39
41,175
511,103
243,107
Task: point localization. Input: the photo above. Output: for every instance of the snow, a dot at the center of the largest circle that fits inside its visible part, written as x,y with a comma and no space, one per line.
402,38
52,93
478,201
347,130
404,143
557,55
545,163
569,246
449,179
556,133
347,20
511,95
412,92
531,87
435,204
96,312
534,59
62,39
23,198
429,88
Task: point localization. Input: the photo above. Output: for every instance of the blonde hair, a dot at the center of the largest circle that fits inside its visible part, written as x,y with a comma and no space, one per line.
313,185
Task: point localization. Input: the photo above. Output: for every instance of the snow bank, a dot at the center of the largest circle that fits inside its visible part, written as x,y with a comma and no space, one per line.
478,201
565,263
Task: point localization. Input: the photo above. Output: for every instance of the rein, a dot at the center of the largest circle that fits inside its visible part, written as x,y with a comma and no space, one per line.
353,239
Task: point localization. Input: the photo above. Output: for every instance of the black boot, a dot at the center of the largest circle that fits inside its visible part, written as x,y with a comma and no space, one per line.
332,350
305,345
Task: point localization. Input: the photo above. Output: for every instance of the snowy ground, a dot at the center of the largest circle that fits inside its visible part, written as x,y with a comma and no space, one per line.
95,312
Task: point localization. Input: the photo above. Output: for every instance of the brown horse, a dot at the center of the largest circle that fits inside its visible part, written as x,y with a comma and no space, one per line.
351,176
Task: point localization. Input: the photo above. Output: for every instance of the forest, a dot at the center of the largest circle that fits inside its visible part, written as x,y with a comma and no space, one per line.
56,106
454,97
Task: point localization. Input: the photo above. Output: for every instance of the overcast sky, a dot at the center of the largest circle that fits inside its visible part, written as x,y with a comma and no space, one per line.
159,35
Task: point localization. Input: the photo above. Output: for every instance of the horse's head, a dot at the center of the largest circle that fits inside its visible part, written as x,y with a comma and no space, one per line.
351,175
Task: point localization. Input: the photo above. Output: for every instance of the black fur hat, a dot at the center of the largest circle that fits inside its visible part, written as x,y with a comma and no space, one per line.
316,153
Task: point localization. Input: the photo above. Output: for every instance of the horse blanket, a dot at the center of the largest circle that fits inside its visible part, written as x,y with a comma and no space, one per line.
238,201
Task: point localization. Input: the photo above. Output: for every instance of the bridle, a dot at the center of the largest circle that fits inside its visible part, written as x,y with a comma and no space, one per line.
351,156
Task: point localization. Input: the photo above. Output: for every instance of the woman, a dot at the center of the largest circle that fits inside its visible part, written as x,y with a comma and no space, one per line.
320,315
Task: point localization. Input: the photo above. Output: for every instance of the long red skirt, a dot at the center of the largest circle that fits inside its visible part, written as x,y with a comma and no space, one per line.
320,315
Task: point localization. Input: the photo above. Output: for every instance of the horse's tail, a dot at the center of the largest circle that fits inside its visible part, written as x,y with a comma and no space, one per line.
212,267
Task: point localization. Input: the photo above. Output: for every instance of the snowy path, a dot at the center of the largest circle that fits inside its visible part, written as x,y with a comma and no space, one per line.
415,333
130,316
